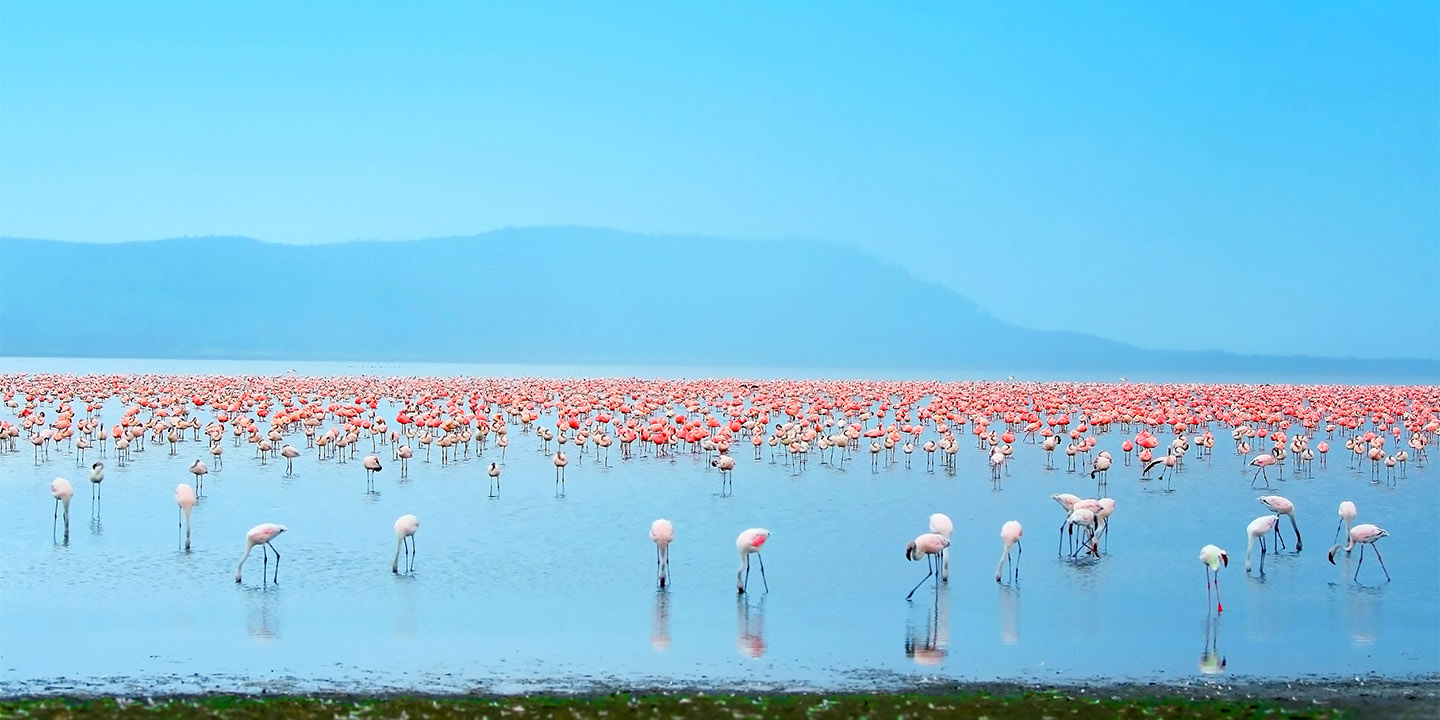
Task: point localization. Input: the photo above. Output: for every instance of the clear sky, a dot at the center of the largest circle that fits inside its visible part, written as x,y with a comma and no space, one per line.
1259,177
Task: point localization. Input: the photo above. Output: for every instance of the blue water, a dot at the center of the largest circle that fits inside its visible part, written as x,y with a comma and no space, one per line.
533,591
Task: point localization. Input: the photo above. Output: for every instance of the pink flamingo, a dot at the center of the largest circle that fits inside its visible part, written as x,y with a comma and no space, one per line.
1010,534
662,532
199,470
404,453
1363,534
372,466
726,464
289,453
62,491
1347,518
185,498
749,542
928,546
1257,530
941,524
261,534
405,527
1262,461
494,473
1282,506
1214,558
560,462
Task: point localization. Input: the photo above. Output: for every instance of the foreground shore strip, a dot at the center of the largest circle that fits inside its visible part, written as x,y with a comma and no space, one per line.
1096,704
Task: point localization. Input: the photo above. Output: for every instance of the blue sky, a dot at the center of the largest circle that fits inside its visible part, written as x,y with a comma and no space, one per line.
1256,178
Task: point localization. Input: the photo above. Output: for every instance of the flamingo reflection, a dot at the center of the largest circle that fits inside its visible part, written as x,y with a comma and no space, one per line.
931,647
750,627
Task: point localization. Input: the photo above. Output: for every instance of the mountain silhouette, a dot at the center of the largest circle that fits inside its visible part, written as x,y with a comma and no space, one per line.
548,295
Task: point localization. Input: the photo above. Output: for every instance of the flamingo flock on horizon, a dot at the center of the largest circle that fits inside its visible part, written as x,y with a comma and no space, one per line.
801,421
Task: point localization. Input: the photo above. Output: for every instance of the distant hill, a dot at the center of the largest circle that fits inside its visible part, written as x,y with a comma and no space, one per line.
552,295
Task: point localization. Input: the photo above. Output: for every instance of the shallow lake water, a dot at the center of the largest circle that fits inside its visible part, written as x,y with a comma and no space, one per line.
531,591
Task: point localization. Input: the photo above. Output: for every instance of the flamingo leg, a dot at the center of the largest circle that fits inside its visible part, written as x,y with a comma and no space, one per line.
276,579
1360,562
762,571
1376,548
928,575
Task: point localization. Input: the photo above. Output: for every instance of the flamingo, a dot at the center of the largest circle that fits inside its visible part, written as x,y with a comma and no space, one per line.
494,473
1101,467
940,524
1214,558
1010,534
62,491
662,532
749,542
1262,461
405,527
1347,518
726,464
928,546
372,466
560,462
199,470
289,453
1282,506
1257,530
1363,534
261,534
97,476
185,498
404,453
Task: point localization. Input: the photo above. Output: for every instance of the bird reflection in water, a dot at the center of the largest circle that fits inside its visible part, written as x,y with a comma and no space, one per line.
260,615
929,647
660,627
1009,614
750,626
1211,661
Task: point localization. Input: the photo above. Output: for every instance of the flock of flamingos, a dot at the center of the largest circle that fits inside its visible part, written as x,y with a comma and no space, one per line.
1155,428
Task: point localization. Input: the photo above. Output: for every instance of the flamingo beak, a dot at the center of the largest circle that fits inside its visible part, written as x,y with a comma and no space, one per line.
1224,559
1331,556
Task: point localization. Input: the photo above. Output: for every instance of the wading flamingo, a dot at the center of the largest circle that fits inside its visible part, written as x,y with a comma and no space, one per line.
1214,558
1261,461
494,473
1364,534
927,546
185,498
560,462
1257,530
940,524
97,476
405,527
62,491
372,466
662,532
199,470
261,534
1282,506
1347,519
1010,534
749,542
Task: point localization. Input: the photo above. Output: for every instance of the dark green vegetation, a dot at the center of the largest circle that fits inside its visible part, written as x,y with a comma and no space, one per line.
912,705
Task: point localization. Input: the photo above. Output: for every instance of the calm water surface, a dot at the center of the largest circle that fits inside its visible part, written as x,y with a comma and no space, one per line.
530,590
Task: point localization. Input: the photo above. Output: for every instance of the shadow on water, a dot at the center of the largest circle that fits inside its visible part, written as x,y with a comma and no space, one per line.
750,626
261,612
660,622
1211,661
930,646
1009,614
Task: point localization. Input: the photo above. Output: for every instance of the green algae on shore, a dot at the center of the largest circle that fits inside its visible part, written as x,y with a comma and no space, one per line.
912,705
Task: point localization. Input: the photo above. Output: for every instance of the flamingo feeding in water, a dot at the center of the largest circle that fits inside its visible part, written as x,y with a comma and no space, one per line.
928,546
261,535
405,527
749,542
1282,506
1364,534
1213,558
662,532
1010,534
1257,530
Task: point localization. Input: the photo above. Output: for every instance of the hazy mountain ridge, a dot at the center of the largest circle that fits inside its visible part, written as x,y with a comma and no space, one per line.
571,295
